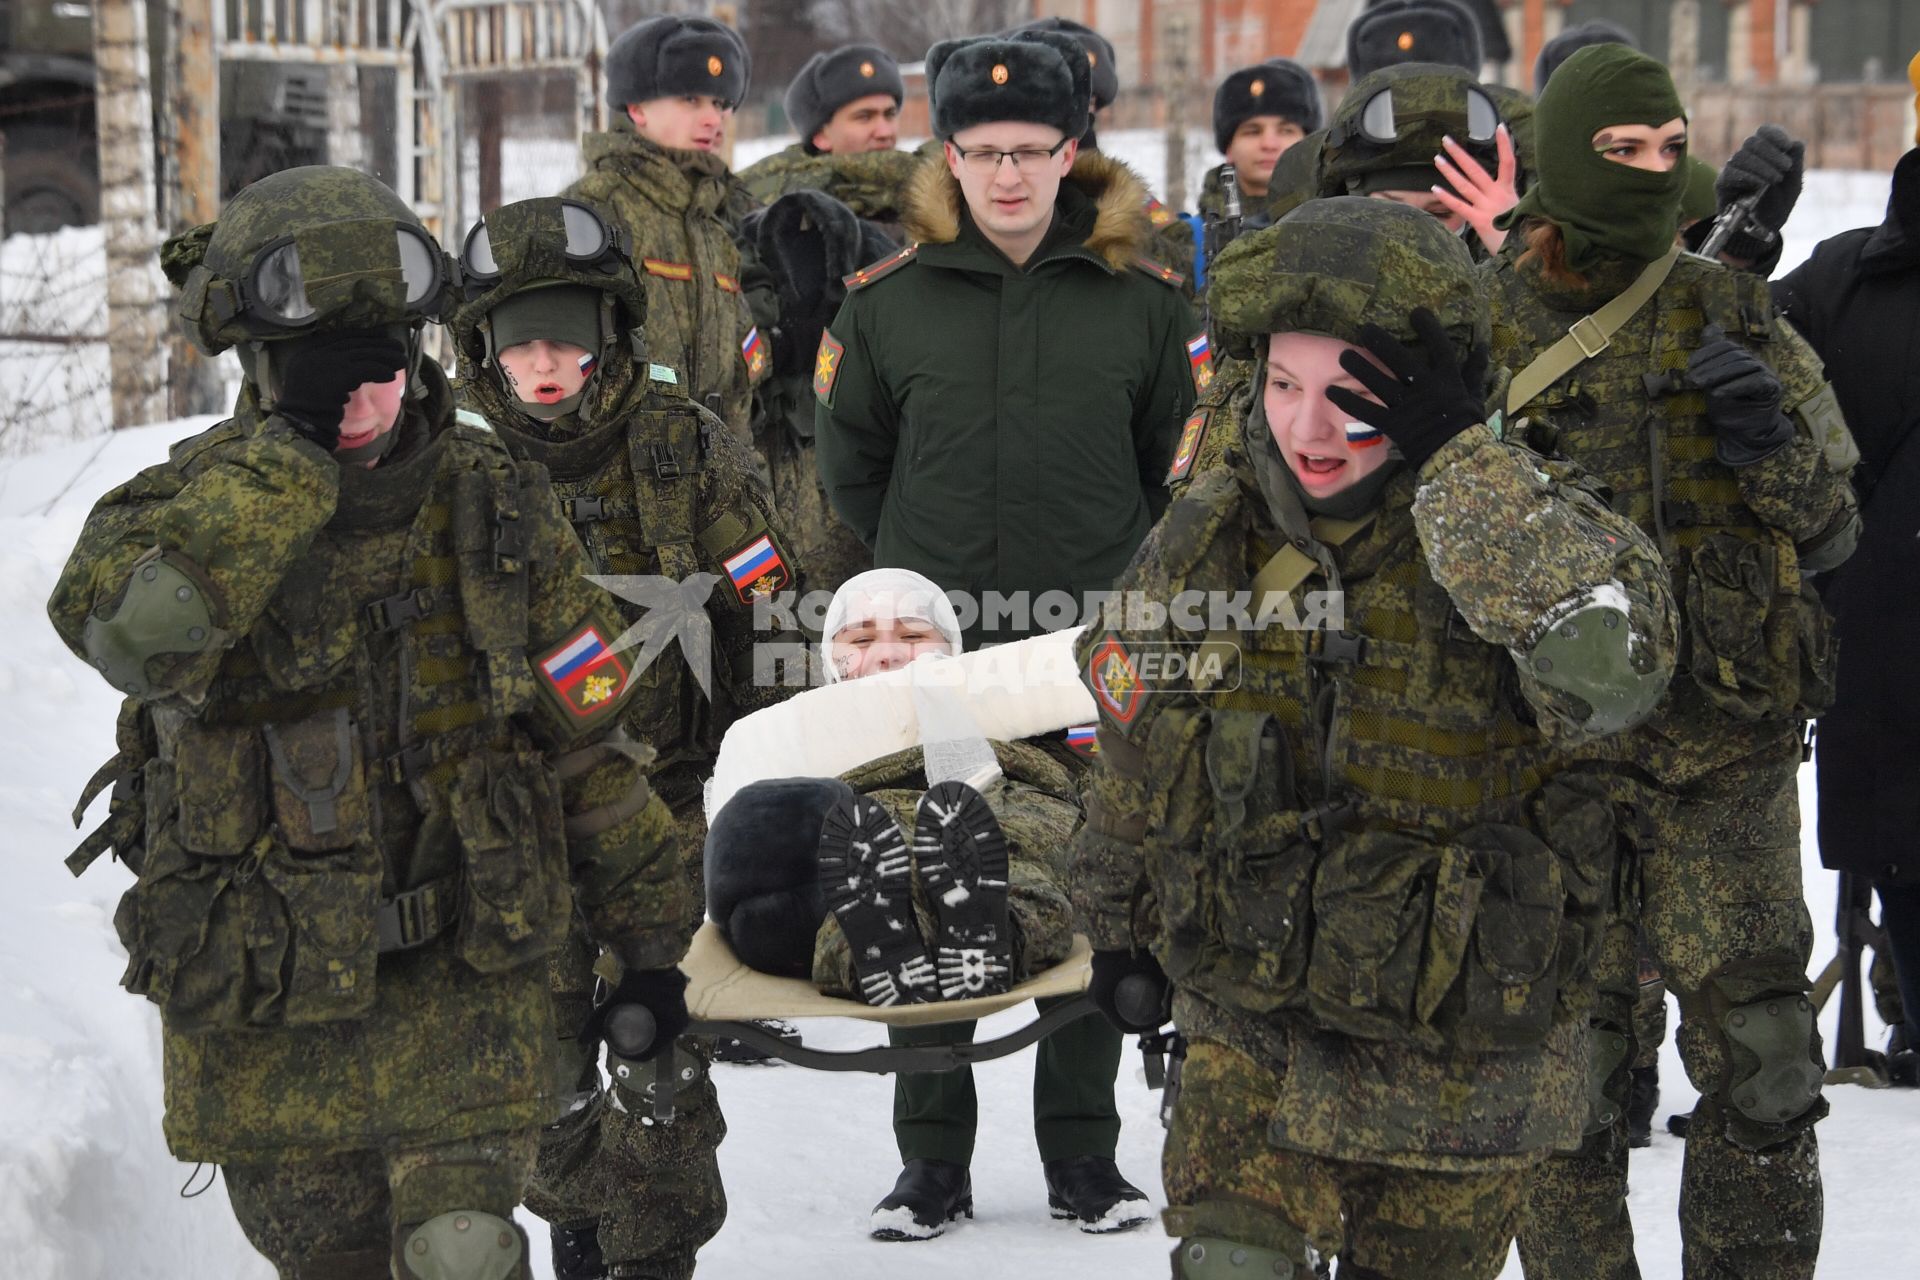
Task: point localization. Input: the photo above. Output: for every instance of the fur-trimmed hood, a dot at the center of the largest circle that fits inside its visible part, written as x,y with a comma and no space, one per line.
1121,229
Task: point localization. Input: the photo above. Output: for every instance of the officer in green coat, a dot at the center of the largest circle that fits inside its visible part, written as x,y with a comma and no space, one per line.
371,765
657,174
998,401
550,337
1341,826
1712,424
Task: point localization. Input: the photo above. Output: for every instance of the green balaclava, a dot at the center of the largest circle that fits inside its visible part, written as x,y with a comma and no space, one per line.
1604,209
556,312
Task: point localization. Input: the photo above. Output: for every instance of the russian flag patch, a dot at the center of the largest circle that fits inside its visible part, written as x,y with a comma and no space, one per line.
1084,739
1200,360
754,352
583,672
757,569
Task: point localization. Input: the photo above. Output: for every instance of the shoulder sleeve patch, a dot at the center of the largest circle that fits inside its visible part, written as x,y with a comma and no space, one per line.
1191,436
1200,361
1158,214
1165,275
583,675
1114,679
885,267
754,352
826,366
757,569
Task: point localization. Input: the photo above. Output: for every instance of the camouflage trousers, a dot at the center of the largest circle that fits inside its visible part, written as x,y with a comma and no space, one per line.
827,551
1714,890
1649,1012
1226,1180
344,1215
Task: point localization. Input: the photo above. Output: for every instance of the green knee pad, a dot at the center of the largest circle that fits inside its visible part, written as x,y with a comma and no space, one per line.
465,1244
1212,1258
1607,1053
1776,1073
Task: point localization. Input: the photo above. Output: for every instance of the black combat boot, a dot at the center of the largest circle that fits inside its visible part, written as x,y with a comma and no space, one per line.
962,856
1643,1097
928,1195
576,1252
866,880
1090,1191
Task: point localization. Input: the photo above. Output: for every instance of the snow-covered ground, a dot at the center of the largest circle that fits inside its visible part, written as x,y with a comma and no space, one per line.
88,1191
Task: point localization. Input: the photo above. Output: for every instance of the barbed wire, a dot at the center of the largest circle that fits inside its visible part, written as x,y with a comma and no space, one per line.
53,339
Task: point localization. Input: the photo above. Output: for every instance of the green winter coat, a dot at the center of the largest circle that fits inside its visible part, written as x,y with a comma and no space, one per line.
1353,850
683,210
1000,429
365,814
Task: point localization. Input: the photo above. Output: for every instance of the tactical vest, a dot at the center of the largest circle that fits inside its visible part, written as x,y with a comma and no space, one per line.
1757,641
631,490
354,783
1352,827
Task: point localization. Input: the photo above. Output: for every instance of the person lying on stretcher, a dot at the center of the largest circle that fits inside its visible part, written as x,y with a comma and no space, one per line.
810,871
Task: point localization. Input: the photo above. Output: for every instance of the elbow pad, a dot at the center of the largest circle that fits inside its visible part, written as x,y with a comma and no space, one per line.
167,608
1593,655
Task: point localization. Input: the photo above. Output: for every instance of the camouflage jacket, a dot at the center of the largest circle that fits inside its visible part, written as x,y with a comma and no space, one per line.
1740,541
682,210
657,486
365,814
1353,850
871,183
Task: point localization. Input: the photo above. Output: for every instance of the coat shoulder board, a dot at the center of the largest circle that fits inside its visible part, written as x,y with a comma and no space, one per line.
885,267
1165,275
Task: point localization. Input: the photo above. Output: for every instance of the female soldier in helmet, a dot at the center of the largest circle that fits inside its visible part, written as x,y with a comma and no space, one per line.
1351,850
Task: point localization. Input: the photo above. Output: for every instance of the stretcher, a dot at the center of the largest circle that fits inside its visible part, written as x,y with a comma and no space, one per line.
726,998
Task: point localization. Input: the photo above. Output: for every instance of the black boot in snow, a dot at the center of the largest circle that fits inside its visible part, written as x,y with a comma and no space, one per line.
927,1196
1090,1191
1641,1100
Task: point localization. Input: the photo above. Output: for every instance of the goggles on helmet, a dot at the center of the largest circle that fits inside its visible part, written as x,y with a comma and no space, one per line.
291,286
1380,121
589,243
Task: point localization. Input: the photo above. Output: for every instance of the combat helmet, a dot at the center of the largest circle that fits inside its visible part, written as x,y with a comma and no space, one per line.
307,251
1335,266
561,257
1390,125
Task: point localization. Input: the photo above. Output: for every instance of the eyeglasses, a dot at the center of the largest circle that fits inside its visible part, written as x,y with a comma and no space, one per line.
276,286
1025,159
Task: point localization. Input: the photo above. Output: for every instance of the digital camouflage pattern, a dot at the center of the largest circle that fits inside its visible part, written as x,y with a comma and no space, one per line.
871,183
1038,807
653,485
341,1213
1713,770
682,211
1227,1179
253,922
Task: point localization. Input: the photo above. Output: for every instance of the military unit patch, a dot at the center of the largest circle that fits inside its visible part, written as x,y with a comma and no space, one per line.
885,267
1084,739
667,270
754,352
1200,360
1188,449
583,672
757,569
826,366
1158,214
1115,681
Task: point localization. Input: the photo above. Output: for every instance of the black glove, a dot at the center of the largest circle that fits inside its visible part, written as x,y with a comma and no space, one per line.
660,993
318,375
1427,400
1743,399
1772,164
1143,1003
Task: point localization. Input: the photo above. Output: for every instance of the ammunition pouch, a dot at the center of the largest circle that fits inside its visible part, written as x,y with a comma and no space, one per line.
1607,1079
1760,644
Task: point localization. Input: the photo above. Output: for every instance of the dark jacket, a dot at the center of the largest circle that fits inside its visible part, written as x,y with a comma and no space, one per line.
1006,429
1857,300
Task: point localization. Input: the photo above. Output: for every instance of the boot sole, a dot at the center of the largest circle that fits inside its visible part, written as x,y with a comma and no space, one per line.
962,856
866,877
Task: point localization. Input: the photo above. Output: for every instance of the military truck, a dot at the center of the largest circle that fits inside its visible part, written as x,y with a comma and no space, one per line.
272,115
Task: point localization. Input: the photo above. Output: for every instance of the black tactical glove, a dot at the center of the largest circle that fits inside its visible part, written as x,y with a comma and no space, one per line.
1743,399
318,375
1773,165
661,994
1131,989
1427,400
